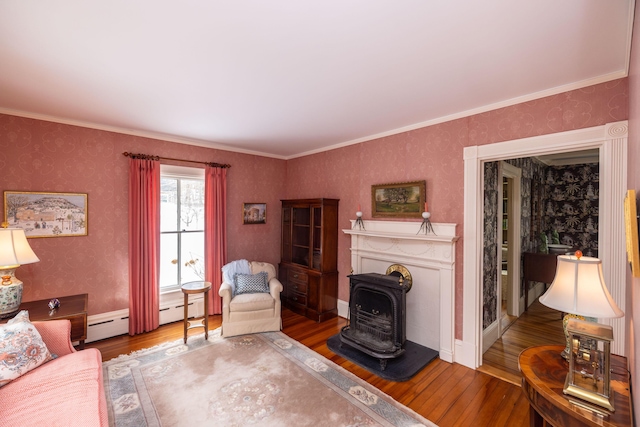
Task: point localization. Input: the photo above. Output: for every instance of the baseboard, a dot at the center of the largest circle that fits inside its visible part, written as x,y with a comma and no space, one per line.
343,309
490,335
111,324
465,354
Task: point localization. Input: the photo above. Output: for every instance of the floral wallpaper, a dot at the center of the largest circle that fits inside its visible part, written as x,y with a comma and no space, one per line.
37,155
561,198
435,153
571,208
492,196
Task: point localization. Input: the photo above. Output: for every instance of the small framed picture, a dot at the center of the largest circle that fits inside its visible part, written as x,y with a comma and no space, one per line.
254,213
42,214
401,200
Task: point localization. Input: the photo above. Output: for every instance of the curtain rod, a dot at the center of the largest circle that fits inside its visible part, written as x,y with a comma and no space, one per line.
152,157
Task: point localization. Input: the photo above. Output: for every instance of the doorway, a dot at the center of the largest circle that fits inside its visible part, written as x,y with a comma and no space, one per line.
502,248
611,141
510,249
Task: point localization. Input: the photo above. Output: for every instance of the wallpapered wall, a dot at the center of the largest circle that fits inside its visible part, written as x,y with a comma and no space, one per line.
43,156
561,198
37,155
571,205
492,197
435,153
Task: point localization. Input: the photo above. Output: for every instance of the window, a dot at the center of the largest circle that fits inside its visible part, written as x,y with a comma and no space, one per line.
181,226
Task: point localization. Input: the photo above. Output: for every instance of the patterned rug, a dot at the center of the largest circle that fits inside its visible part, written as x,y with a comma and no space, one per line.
263,379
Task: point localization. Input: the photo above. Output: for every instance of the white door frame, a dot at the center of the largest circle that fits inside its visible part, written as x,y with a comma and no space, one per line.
515,246
611,140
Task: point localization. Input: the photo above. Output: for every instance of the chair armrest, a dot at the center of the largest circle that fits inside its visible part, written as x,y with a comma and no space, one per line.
225,290
56,335
226,293
275,287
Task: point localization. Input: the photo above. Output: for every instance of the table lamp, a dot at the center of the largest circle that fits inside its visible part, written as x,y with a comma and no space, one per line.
578,290
14,251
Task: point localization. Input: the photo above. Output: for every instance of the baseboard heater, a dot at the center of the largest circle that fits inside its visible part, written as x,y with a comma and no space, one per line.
114,323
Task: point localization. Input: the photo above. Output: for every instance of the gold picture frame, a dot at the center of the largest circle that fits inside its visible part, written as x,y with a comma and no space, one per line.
631,228
44,214
399,200
254,213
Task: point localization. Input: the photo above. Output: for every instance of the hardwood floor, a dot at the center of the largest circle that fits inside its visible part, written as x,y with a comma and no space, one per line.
448,394
539,325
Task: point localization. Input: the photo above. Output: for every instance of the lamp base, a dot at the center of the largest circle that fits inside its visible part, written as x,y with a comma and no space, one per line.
566,353
10,294
10,299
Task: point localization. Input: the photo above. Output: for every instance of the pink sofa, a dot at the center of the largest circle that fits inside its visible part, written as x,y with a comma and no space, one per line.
66,391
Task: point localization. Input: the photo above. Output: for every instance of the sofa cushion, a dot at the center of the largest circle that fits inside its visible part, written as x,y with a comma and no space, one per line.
251,283
66,391
252,302
21,348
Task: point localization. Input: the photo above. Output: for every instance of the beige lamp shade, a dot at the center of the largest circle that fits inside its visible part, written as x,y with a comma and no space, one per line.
579,288
15,249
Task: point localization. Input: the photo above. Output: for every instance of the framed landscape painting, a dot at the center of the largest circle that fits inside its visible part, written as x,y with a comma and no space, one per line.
400,200
46,214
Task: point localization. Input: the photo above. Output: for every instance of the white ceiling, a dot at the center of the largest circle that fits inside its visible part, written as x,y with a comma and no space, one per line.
285,78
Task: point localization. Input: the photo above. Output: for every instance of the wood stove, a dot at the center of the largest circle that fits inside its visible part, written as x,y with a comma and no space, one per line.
377,316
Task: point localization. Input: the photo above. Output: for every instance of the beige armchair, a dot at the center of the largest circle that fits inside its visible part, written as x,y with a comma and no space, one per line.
255,312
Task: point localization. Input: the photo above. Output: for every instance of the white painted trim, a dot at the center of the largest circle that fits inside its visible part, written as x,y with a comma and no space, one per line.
483,109
113,323
399,241
611,139
515,254
464,354
491,334
136,132
343,308
182,171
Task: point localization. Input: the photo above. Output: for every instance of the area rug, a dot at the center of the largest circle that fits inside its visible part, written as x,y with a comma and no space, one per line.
262,379
403,368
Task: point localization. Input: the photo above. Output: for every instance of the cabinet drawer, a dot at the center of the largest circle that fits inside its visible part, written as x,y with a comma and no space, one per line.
298,298
298,287
298,276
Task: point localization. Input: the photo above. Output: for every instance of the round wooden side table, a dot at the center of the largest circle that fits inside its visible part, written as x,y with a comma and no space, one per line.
543,375
196,288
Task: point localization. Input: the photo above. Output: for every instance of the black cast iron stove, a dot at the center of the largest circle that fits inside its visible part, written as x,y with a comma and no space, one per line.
377,317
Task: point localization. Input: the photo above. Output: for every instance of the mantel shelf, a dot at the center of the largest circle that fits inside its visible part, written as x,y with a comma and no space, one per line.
425,237
444,233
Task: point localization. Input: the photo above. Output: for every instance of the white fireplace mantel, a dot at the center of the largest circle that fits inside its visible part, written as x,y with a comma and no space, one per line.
430,258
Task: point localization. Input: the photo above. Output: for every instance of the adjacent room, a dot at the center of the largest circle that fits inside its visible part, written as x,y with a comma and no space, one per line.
284,213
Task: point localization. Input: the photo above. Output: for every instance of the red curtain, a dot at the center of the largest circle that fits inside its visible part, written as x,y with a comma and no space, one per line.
144,245
215,232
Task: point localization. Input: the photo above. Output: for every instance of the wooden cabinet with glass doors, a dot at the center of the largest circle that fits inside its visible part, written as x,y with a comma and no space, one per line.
309,258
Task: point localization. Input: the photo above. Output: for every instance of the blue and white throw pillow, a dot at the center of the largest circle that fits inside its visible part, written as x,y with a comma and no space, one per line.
251,283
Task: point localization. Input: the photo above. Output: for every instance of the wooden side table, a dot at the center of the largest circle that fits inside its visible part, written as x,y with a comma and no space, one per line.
543,375
196,288
73,308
